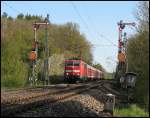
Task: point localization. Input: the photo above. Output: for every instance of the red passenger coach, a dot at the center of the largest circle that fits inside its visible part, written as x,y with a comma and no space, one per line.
79,70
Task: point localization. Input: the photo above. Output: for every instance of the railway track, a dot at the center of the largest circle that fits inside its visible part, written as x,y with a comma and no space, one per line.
83,104
30,94
21,90
50,95
26,103
25,94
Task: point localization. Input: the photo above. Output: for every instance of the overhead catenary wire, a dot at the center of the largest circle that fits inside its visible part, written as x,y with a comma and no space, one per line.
81,18
86,25
93,24
101,35
12,8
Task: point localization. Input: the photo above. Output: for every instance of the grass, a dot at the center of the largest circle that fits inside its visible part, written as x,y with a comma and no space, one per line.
132,111
108,75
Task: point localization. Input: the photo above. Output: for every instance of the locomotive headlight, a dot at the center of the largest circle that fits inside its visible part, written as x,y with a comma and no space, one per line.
67,73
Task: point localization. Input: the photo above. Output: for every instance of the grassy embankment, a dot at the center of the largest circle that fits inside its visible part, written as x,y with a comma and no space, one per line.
132,111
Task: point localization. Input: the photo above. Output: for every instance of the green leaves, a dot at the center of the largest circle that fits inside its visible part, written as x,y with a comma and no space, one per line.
138,61
17,38
138,54
132,111
67,37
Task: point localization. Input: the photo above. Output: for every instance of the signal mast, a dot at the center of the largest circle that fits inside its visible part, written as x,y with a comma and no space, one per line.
33,55
122,42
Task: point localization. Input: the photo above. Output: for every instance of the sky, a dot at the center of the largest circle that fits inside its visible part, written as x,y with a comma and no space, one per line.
97,20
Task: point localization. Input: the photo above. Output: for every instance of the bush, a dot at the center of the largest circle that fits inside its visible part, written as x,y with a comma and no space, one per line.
56,79
132,111
16,43
14,73
138,50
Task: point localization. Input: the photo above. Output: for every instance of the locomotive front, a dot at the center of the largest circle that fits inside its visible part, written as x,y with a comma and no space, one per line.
72,70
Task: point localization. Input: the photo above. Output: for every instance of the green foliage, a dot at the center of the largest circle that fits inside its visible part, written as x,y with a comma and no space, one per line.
10,18
64,38
4,15
132,111
16,43
20,16
28,17
13,70
138,50
138,55
32,17
142,16
99,66
56,79
108,75
56,65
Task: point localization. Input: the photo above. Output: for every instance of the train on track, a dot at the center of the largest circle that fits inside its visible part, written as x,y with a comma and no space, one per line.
78,70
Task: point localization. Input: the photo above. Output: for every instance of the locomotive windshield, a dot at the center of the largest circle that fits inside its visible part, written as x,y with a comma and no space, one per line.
72,63
76,63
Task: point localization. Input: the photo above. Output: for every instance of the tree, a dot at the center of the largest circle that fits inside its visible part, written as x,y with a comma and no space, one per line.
62,39
4,15
10,18
138,61
142,15
138,54
28,17
99,66
20,16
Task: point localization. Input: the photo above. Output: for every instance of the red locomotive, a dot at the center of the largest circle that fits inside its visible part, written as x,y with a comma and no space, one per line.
79,70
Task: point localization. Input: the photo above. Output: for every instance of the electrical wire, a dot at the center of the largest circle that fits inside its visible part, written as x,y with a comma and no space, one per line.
12,8
81,18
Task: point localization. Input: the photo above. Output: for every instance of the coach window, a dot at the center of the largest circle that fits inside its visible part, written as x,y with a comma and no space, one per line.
69,64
